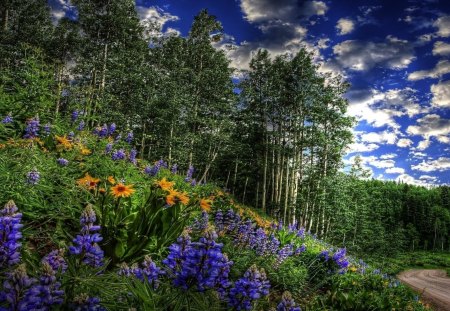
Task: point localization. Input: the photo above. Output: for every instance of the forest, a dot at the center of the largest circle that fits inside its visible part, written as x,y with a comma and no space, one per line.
104,88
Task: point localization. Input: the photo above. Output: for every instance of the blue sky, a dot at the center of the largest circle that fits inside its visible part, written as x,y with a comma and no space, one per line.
395,54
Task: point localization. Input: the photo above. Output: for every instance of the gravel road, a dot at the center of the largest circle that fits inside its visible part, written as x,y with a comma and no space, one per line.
434,284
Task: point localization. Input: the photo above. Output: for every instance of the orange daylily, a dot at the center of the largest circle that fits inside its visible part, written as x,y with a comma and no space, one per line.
85,151
205,204
64,142
88,181
121,190
175,196
111,180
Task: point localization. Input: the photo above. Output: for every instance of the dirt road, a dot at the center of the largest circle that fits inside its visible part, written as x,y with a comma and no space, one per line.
434,284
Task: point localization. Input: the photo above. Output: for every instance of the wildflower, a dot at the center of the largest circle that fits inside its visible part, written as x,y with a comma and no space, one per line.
85,151
218,221
193,182
112,128
118,138
287,303
174,169
121,190
325,254
10,235
108,148
339,257
88,182
201,223
64,142
62,161
86,242
75,115
300,250
283,254
33,177
7,119
149,272
118,155
14,287
32,129
132,157
81,126
164,184
46,293
199,264
252,286
189,173
71,135
129,138
205,204
111,180
85,303
103,131
124,270
153,170
56,260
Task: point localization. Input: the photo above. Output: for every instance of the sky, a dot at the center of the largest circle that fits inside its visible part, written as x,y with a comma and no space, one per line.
395,54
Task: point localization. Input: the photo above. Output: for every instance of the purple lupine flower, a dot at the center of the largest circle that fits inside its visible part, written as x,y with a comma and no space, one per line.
272,245
112,128
71,135
47,129
218,222
102,132
259,242
75,115
10,235
86,242
300,249
292,227
132,157
32,129
231,220
174,169
252,286
33,177
193,182
325,254
81,126
287,303
201,264
108,148
85,303
56,260
189,173
280,225
129,138
301,233
62,161
118,155
7,119
201,222
14,287
244,232
283,254
149,272
118,138
339,257
124,270
153,170
46,293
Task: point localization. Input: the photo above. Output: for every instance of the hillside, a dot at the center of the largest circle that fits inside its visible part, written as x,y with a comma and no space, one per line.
87,225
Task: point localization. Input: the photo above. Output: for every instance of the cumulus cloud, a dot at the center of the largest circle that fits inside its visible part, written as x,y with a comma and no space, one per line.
404,142
286,10
441,164
443,25
395,170
380,108
441,68
441,48
424,144
386,137
156,16
441,94
60,8
408,179
429,126
359,55
345,26
361,147
388,156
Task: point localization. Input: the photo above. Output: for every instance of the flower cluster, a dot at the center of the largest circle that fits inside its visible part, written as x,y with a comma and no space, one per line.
10,235
252,286
56,260
15,286
201,222
129,138
287,303
33,177
85,303
132,157
85,244
7,119
198,264
75,115
118,155
339,257
148,272
62,161
153,170
81,126
283,253
32,129
189,173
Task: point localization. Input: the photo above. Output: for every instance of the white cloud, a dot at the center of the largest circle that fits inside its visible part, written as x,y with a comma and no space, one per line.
443,25
395,170
158,17
286,10
345,26
429,126
323,43
361,147
428,178
442,68
441,94
441,48
404,142
60,9
380,137
424,144
441,164
408,179
358,55
388,156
